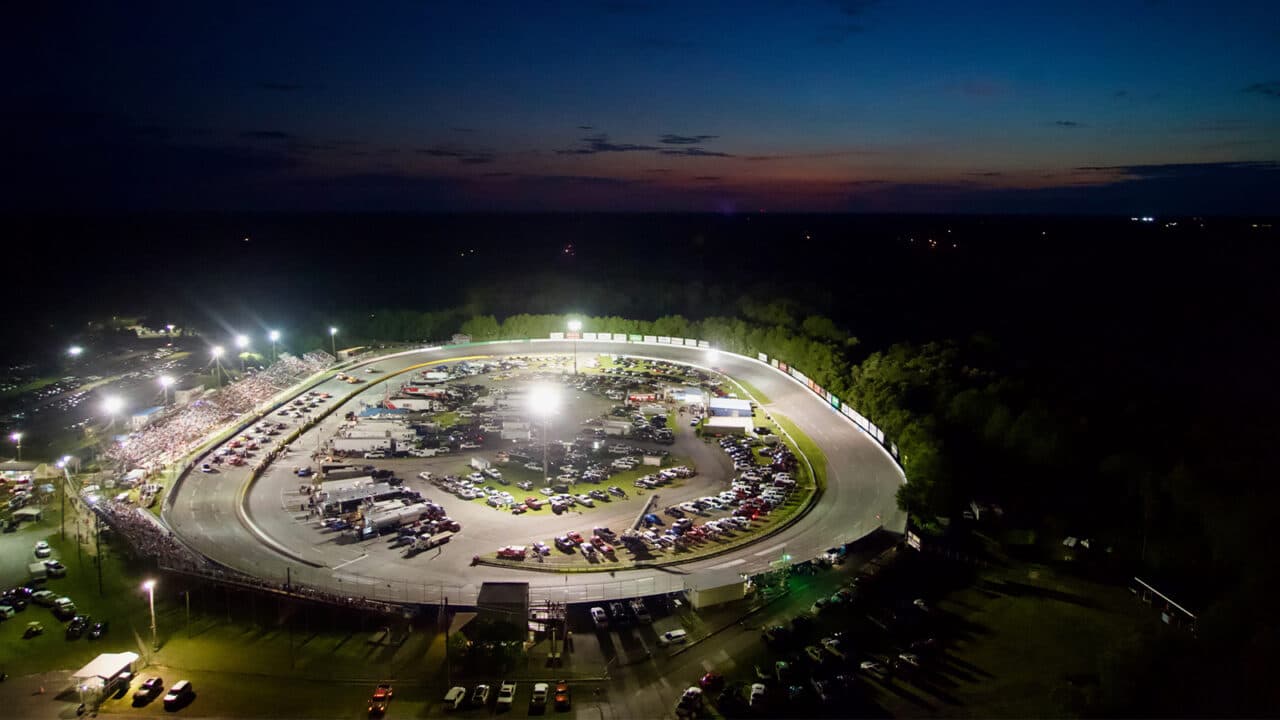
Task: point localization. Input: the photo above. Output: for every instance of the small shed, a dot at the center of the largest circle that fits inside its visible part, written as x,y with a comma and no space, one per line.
93,679
714,587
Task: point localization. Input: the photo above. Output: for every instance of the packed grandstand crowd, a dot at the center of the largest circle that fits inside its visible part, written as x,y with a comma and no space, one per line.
182,428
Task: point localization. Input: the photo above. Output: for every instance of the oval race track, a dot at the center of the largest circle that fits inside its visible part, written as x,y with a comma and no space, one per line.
268,542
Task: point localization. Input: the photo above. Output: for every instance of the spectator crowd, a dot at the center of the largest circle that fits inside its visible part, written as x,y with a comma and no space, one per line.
183,428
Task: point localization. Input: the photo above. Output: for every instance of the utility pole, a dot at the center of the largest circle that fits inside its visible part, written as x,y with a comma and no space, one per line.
97,544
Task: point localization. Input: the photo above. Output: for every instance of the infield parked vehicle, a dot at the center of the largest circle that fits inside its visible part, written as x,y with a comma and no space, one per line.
513,552
480,696
43,550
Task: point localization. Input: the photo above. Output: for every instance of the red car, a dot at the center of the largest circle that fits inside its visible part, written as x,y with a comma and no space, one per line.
512,552
711,681
575,536
533,503
519,509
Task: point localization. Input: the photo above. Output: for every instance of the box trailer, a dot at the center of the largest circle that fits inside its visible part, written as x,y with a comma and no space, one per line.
380,520
362,445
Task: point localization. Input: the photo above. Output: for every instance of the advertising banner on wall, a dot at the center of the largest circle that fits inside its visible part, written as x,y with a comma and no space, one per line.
557,336
781,366
651,338
585,336
835,401
690,342
762,357
633,338
622,337
704,344
664,339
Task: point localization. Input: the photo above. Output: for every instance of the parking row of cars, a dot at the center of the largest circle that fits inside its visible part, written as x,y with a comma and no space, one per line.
541,695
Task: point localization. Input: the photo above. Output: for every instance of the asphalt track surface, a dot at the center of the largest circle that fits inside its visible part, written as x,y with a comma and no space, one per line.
267,536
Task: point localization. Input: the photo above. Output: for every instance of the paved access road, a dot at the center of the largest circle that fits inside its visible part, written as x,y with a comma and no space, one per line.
861,484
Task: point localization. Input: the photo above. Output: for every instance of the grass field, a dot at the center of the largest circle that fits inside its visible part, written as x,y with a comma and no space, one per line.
1020,641
751,390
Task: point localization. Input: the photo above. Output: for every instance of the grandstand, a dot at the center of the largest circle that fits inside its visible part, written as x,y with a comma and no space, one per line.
182,428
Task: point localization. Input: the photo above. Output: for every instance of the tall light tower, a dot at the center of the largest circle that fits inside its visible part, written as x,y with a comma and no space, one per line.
217,351
166,382
274,336
150,587
63,465
242,343
17,440
575,327
544,400
333,341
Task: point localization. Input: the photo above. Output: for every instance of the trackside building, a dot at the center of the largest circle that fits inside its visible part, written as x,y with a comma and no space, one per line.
730,407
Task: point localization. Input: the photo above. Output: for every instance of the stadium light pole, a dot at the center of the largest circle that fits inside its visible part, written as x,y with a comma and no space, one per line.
543,402
150,587
217,351
66,485
242,343
166,382
274,336
333,341
17,440
575,327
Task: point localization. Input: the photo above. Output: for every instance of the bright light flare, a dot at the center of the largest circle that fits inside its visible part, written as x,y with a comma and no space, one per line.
544,400
75,350
149,585
165,381
113,404
242,341
274,335
713,355
575,325
217,351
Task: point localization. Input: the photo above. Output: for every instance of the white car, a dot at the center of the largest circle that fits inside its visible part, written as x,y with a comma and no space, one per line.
424,475
757,695
673,637
600,618
506,694
43,550
585,500
532,466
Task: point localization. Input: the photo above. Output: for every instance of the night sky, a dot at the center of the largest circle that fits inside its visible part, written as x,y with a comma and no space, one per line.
1127,106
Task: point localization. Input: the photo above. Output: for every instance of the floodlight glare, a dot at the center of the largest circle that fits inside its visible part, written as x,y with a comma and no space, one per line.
217,351
75,350
544,400
274,335
165,381
113,404
713,355
242,341
149,585
333,331
575,325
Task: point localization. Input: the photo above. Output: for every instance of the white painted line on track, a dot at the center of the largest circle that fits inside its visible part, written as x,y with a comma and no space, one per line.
767,551
729,564
342,565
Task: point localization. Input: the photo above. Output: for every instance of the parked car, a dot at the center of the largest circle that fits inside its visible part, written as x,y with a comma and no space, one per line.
98,629
562,695
480,695
538,701
55,569
506,694
673,637
180,694
43,550
149,690
600,618
455,698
